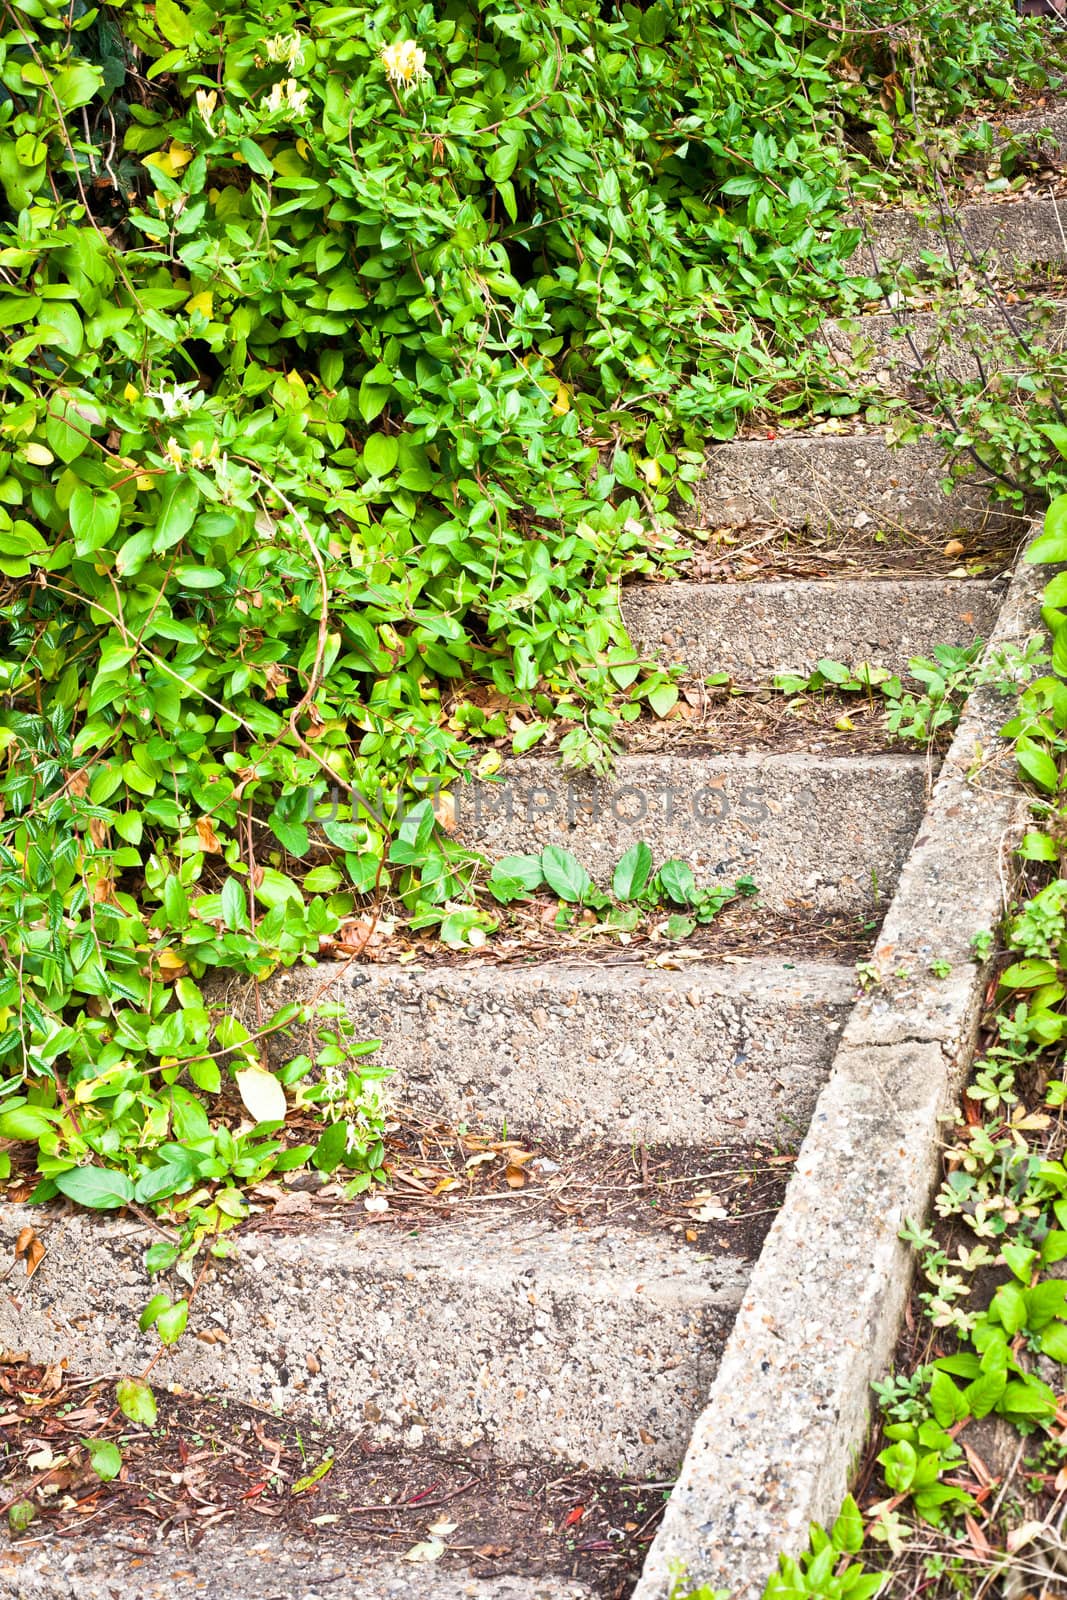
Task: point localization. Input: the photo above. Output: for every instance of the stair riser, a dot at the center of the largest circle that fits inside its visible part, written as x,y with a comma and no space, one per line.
591,1347
811,831
691,1058
753,630
878,346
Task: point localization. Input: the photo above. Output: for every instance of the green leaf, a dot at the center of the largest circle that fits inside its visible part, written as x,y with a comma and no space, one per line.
158,1303
525,869
1037,765
95,1187
633,872
565,874
173,23
170,1324
847,1532
94,516
181,498
105,1458
25,1122
1038,847
1054,1341
257,159
675,880
380,453
136,1401
663,698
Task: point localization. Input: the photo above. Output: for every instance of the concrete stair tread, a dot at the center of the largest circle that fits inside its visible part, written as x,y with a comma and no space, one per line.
756,812
593,1345
843,482
706,1055
260,1564
879,344
755,629
1018,232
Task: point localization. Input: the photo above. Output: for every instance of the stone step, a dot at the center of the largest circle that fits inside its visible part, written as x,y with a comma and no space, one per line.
1010,235
253,1565
593,1345
841,482
877,345
719,1055
1043,132
753,630
818,833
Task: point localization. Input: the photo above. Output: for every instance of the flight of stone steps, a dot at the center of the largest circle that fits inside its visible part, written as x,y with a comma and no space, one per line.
520,1332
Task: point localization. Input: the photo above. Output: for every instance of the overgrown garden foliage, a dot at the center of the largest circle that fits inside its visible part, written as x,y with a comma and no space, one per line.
350,355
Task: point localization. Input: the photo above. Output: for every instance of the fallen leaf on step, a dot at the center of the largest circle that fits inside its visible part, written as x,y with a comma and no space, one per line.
429,1550
262,1095
953,548
441,1530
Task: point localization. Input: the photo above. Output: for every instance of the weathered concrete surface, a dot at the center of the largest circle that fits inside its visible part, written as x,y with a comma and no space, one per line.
822,481
789,1407
1011,234
1044,131
596,1345
724,1055
758,813
878,344
265,1565
753,630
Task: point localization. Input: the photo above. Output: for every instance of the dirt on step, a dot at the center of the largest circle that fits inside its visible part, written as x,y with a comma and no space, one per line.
240,1469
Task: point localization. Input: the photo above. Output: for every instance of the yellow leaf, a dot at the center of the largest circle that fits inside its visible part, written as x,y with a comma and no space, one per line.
203,302
130,393
170,161
38,455
650,471
262,1095
562,403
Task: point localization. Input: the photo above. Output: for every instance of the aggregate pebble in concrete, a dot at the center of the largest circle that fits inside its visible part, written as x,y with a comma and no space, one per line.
1006,235
775,1447
705,1056
270,1566
753,630
596,1345
755,813
823,481
878,345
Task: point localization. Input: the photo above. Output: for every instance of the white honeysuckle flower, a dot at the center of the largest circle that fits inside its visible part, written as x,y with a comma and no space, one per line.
173,453
288,96
284,50
176,401
206,103
404,62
